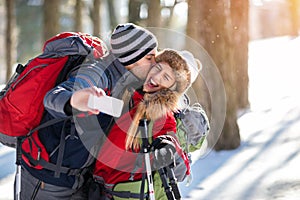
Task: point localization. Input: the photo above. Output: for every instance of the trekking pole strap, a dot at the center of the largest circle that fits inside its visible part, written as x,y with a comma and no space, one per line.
143,187
173,182
165,183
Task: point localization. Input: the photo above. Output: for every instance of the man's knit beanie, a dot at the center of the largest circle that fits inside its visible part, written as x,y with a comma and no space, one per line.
130,43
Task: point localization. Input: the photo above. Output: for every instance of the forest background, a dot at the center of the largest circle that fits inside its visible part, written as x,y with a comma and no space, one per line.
217,32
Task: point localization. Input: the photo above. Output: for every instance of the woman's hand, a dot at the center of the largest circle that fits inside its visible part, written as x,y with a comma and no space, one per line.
79,99
164,151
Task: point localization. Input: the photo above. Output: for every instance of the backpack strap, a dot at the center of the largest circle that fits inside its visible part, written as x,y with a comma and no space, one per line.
57,168
52,167
61,150
48,123
129,190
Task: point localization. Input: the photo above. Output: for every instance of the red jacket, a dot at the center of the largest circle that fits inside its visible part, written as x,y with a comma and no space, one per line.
114,164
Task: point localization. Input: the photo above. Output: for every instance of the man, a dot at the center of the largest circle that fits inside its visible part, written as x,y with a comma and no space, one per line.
132,53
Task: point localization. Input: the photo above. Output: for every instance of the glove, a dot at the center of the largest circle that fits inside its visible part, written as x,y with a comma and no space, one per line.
163,150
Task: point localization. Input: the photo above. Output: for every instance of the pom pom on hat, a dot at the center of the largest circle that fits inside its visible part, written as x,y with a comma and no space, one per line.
195,67
194,64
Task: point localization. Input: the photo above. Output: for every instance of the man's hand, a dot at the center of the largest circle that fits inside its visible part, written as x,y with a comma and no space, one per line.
79,99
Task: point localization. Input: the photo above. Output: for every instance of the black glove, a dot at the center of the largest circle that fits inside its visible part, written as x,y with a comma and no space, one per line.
163,150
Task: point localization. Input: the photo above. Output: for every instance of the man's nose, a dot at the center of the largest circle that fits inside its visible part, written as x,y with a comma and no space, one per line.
153,62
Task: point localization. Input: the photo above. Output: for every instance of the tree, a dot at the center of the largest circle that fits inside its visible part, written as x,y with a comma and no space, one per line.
134,11
28,18
240,38
10,36
96,17
208,24
112,14
294,12
154,16
78,15
51,18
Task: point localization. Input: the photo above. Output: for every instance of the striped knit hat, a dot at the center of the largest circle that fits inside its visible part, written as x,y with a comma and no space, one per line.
130,43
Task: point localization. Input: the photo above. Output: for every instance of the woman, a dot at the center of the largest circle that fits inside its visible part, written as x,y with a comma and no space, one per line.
119,164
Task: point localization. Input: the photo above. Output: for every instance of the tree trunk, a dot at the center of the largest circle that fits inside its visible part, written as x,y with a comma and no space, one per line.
294,12
208,24
112,14
154,15
10,37
51,18
78,16
134,11
96,18
240,38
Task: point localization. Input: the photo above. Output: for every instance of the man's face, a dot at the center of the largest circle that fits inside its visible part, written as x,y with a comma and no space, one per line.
141,68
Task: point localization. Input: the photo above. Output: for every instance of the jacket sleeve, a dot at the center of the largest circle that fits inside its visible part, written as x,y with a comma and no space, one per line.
57,99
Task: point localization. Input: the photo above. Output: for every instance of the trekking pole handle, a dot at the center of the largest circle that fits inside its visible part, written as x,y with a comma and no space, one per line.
19,150
146,149
18,170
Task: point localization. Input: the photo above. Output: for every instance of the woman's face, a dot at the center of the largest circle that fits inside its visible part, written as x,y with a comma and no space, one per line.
160,76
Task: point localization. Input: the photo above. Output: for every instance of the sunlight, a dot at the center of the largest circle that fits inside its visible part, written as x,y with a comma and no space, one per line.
181,9
279,68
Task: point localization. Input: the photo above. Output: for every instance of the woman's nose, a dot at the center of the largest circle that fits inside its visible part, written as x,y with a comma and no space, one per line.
157,77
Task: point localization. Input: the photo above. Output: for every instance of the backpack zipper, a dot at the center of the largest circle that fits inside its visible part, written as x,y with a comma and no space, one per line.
26,74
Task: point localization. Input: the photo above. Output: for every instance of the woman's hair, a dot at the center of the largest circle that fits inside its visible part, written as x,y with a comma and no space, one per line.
158,104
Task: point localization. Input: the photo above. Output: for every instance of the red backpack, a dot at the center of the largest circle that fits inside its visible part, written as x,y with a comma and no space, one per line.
21,101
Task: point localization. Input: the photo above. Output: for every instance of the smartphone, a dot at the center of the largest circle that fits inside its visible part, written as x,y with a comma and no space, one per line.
106,104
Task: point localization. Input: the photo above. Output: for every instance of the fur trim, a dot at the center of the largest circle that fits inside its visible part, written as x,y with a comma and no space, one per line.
158,104
154,106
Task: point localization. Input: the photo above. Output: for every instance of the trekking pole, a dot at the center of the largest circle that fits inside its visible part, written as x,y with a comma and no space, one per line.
173,182
18,171
165,183
146,149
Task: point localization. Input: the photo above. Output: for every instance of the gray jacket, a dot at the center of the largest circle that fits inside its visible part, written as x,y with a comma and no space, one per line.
108,74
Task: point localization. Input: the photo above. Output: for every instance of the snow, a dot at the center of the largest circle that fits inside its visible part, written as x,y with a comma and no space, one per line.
266,165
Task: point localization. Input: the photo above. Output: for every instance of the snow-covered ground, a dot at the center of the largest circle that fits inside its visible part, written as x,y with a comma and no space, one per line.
266,165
